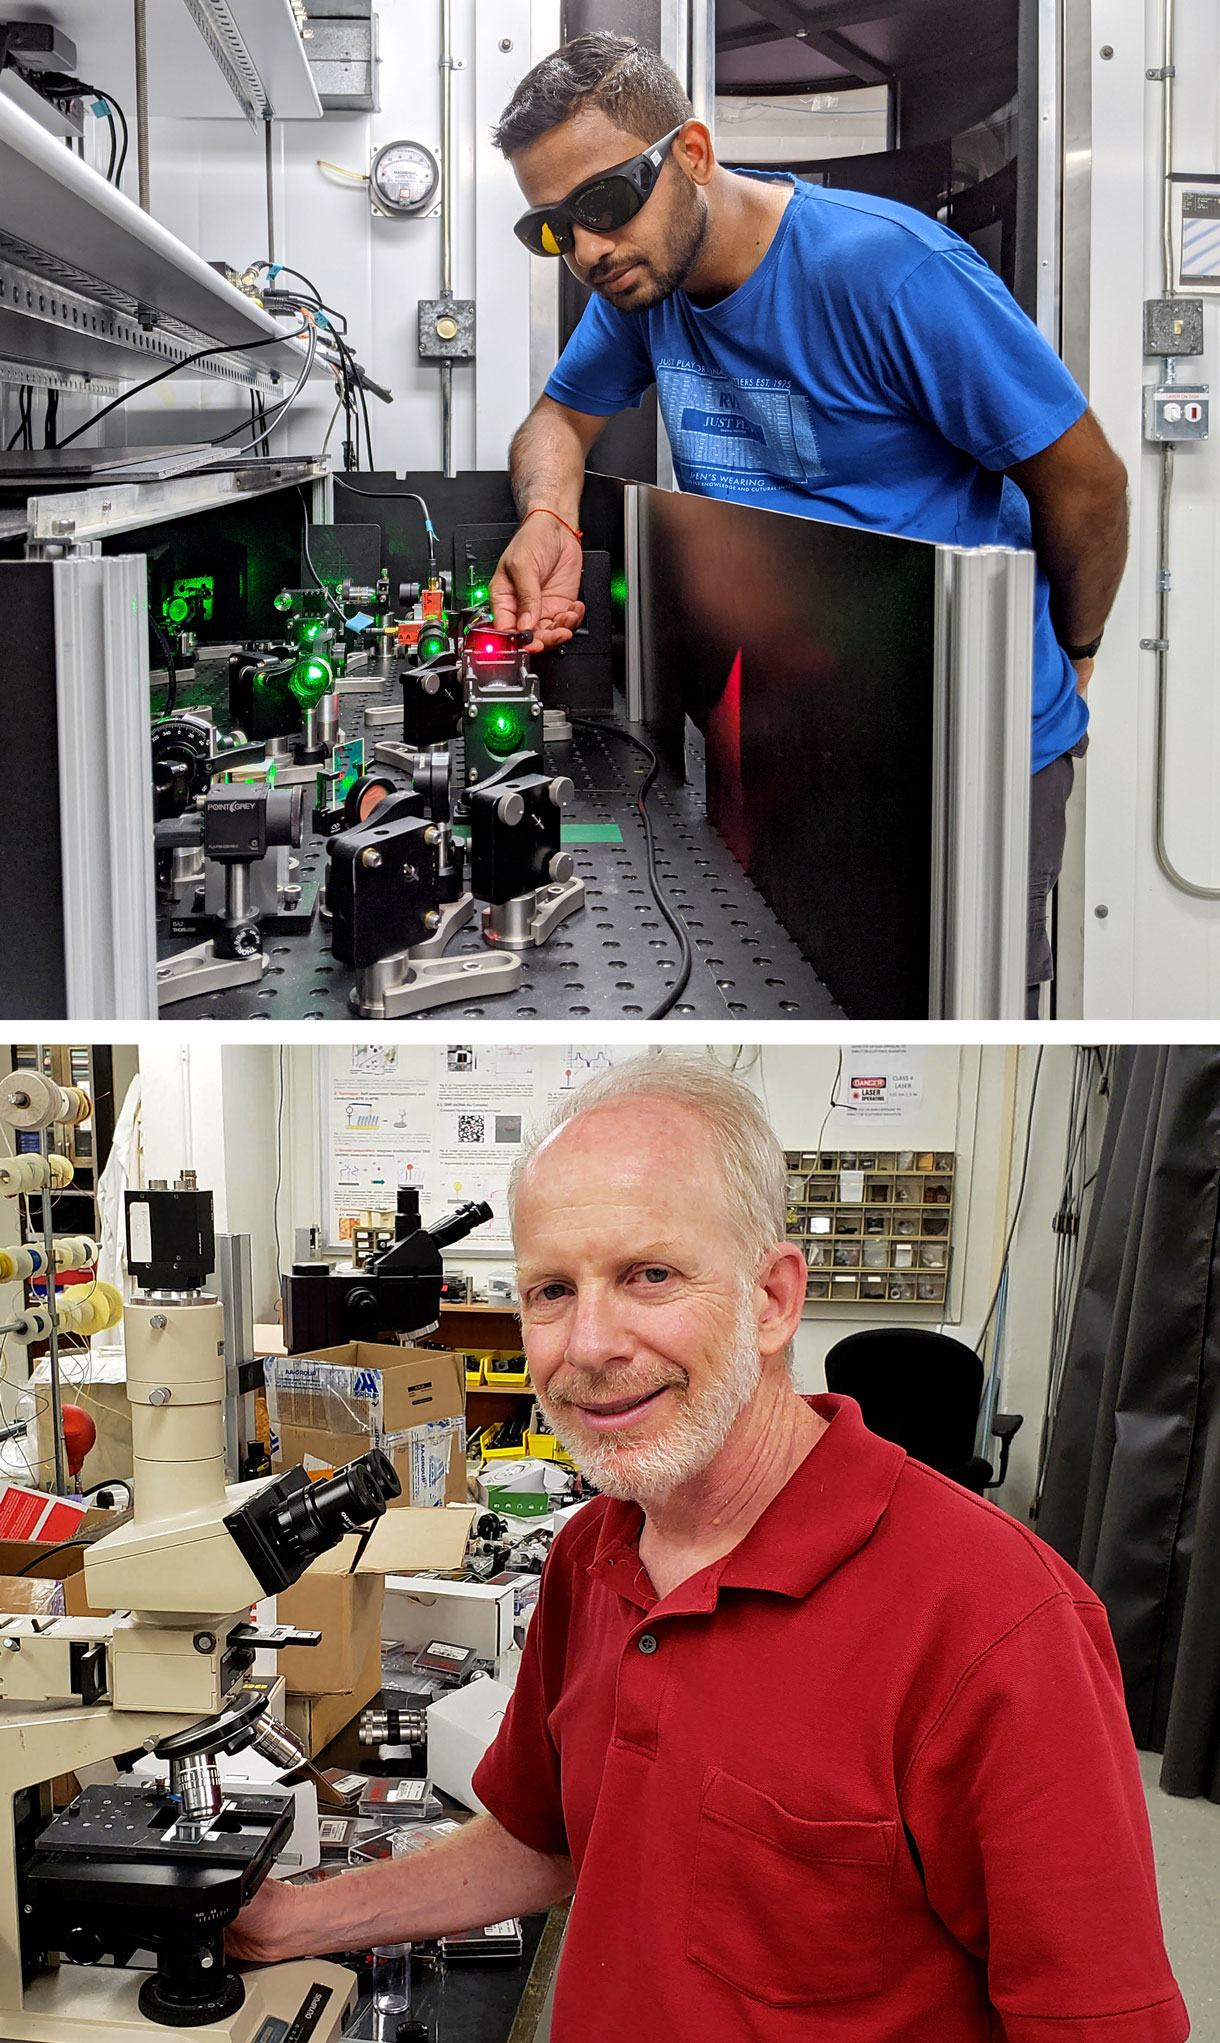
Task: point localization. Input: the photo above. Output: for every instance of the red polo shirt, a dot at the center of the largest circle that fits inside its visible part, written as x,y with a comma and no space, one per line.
869,1777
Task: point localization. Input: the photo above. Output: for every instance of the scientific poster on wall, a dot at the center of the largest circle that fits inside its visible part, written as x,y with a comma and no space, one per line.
447,1118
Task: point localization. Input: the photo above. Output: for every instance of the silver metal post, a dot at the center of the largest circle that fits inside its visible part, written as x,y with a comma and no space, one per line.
270,189
141,25
48,1238
237,891
447,461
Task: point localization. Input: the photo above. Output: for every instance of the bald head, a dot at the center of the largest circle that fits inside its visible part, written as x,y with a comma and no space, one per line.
693,1119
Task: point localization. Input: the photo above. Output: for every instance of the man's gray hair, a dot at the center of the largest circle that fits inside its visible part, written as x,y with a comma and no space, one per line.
751,1160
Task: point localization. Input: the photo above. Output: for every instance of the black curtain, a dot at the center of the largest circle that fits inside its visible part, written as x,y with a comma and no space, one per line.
1132,1493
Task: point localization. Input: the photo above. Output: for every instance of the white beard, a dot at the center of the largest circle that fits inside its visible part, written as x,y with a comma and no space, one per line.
691,1440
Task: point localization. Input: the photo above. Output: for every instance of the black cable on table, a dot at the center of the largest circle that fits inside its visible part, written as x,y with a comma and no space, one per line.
677,925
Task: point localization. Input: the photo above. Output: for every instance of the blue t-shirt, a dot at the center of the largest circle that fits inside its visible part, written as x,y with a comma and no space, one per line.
871,371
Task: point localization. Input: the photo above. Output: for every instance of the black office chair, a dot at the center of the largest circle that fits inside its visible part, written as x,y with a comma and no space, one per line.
922,1389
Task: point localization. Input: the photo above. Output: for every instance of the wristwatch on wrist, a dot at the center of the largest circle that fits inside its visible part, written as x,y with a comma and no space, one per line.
1088,652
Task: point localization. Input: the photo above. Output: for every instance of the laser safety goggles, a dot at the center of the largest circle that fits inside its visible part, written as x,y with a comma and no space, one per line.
601,205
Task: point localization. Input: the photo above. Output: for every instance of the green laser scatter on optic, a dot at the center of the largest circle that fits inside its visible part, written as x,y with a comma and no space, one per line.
502,733
189,601
310,680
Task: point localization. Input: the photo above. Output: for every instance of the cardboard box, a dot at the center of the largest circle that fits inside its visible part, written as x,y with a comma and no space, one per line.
317,1719
419,1608
24,1558
26,1596
347,1608
328,1407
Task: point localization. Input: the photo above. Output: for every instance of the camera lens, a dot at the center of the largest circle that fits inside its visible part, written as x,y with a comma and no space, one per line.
315,1519
285,815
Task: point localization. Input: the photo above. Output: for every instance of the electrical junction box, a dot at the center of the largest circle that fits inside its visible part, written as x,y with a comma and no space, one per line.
446,329
1173,326
1174,412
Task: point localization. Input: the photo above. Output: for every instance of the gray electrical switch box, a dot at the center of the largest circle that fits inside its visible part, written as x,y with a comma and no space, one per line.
1173,326
1174,412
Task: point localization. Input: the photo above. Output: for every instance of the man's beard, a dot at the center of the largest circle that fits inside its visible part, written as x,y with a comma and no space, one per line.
688,232
693,1436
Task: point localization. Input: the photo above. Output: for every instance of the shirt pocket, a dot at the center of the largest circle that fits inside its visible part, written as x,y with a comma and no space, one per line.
790,1912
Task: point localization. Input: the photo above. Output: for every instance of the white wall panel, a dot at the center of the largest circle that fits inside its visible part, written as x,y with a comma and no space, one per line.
1156,952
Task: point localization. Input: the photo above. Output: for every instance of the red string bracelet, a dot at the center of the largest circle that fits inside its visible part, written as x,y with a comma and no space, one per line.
553,514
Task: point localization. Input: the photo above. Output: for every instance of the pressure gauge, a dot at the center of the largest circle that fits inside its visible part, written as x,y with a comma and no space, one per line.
403,178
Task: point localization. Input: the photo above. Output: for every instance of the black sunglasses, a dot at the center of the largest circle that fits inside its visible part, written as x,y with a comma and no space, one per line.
604,203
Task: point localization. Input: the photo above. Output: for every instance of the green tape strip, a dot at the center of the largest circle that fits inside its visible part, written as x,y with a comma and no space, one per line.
569,833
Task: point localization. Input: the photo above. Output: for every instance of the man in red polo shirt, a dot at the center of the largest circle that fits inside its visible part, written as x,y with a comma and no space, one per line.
823,1745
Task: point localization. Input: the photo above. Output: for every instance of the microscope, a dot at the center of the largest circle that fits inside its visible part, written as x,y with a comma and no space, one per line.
398,1291
130,1867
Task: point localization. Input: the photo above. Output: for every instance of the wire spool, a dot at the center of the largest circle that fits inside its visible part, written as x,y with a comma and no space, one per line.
85,1315
114,1300
17,1265
28,1099
79,1103
23,1174
98,1307
34,1324
75,1252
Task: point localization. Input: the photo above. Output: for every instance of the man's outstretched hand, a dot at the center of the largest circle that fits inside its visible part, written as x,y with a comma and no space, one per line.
536,585
271,1926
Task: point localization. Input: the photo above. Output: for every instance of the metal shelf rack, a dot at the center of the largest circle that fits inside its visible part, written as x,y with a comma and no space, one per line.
91,286
874,1225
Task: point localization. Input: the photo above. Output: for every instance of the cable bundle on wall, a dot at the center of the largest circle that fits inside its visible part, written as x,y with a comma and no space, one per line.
1090,1082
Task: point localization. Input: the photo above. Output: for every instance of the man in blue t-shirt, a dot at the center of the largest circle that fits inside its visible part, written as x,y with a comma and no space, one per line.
814,351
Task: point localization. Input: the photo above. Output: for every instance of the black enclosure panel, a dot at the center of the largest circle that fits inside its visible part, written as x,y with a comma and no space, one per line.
32,976
251,548
481,496
805,652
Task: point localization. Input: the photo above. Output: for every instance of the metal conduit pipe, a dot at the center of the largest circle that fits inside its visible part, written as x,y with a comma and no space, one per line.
447,461
141,28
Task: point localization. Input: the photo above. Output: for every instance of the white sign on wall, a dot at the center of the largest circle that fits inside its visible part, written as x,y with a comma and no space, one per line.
881,1084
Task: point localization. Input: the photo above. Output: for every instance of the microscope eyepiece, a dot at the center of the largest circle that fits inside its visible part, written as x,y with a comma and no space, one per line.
289,1523
316,1518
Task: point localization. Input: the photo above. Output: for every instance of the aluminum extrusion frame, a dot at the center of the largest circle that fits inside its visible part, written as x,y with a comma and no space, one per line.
105,786
982,708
